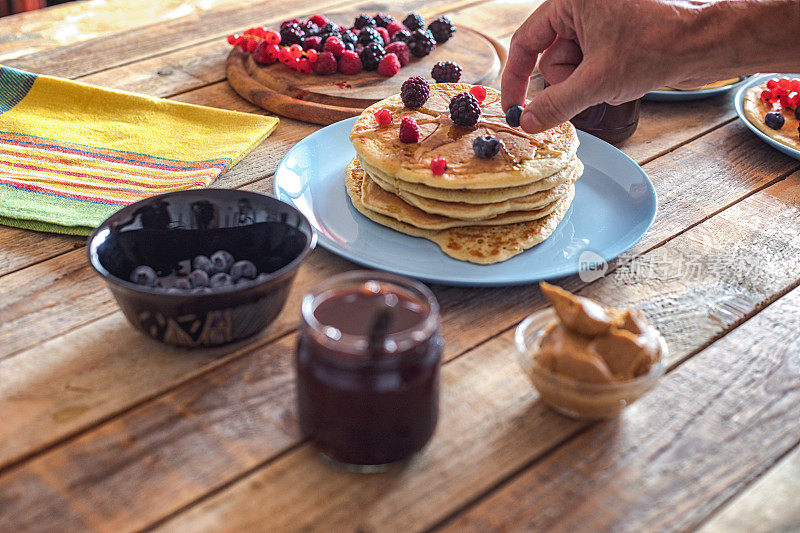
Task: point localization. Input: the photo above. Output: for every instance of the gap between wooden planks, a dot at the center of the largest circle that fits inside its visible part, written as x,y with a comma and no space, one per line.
731,171
491,424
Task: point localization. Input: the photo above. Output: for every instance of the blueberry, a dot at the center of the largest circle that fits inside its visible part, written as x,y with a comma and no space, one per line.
774,119
222,261
243,269
220,279
513,114
201,262
486,146
184,267
262,277
182,284
199,278
201,290
174,290
144,275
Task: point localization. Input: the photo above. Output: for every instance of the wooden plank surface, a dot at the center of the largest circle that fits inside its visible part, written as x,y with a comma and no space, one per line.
149,435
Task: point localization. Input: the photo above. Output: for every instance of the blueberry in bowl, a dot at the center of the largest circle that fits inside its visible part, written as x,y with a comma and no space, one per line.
202,267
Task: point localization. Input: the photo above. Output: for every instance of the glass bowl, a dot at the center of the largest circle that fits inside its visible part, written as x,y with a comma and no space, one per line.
575,399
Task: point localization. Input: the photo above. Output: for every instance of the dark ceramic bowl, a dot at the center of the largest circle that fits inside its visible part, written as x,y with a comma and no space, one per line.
166,229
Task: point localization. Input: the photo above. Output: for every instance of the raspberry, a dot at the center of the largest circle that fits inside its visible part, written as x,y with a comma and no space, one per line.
363,21
312,55
383,117
421,43
325,64
479,92
774,120
335,46
312,43
384,33
795,85
304,66
401,36
296,51
438,165
400,50
786,102
271,37
766,95
414,92
513,114
771,84
369,35
288,22
464,110
371,56
409,131
349,63
784,84
442,29
414,21
389,65
292,34
251,45
265,53
233,39
383,20
446,72
796,101
319,20
486,146
394,27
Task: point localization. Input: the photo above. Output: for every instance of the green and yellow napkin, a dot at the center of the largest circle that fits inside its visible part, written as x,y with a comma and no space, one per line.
71,153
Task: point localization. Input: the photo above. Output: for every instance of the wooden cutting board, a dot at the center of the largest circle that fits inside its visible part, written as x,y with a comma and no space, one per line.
328,99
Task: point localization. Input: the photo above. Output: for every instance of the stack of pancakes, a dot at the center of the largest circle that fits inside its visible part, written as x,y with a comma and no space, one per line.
481,210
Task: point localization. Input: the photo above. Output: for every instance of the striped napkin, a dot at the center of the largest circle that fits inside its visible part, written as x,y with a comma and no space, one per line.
71,154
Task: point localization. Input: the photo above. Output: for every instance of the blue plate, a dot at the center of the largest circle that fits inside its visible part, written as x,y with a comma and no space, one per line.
684,96
739,105
614,205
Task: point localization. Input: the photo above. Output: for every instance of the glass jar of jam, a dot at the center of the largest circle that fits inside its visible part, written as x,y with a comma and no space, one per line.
367,363
612,123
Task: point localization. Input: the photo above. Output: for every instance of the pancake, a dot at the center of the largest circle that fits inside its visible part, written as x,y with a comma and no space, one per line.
712,85
523,158
474,212
476,244
376,199
755,110
480,196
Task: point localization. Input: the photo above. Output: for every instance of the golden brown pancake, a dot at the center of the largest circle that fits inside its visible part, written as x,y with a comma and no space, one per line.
523,158
476,244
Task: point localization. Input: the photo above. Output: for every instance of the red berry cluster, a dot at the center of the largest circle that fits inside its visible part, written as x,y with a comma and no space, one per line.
318,45
782,90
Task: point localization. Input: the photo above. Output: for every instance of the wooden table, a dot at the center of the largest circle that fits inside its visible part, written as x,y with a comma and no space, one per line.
102,428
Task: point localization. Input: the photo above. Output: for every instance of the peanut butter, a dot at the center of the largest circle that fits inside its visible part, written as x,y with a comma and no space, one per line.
595,344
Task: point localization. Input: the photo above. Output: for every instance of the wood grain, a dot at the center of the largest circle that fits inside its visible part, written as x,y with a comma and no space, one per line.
771,504
491,423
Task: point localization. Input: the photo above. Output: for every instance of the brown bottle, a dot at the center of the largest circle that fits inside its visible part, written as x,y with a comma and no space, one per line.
612,123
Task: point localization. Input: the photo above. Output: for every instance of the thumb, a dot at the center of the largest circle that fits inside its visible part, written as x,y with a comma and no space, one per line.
560,102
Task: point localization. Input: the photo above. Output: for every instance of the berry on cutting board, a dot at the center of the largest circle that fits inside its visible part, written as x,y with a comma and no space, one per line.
383,20
442,29
371,56
400,49
389,65
325,64
335,46
364,21
409,131
349,63
446,72
421,43
414,21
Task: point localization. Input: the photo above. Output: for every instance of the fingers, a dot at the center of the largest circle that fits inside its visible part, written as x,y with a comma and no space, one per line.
560,102
532,38
560,60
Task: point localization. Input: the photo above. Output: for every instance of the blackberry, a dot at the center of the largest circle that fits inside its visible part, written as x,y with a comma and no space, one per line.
421,43
363,21
383,20
513,114
446,72
442,29
774,119
349,37
349,46
369,35
309,28
401,36
414,21
371,55
464,110
486,146
292,34
415,92
330,27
